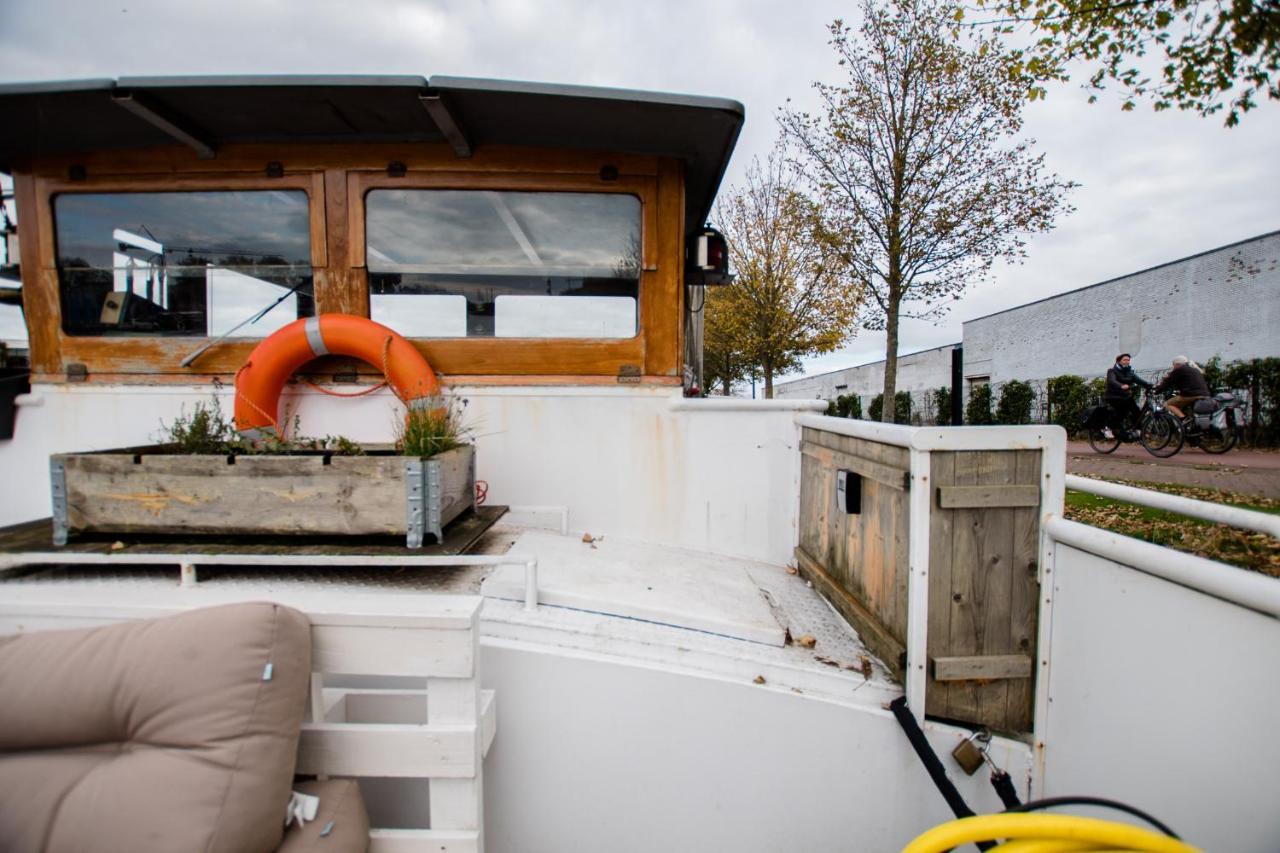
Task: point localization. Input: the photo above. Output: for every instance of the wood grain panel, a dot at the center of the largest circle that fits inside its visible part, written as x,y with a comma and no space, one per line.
981,668
339,495
662,291
885,475
333,178
863,556
40,305
886,454
1024,606
972,497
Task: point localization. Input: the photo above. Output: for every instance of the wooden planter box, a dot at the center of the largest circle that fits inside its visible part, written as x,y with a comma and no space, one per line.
146,490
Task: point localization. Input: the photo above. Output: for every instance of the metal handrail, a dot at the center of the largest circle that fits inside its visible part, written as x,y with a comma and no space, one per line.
1221,514
1248,589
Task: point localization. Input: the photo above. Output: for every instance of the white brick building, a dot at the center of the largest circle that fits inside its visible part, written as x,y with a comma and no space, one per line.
1225,302
918,372
1222,302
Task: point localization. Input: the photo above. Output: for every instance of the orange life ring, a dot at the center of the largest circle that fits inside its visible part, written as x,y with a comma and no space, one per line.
272,362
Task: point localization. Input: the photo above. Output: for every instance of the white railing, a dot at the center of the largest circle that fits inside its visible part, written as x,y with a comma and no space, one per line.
1145,648
1219,513
188,563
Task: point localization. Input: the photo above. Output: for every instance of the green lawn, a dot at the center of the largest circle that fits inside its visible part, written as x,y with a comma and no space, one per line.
1243,548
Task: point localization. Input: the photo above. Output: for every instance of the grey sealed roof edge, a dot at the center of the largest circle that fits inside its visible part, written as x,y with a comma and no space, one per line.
480,84
442,83
40,88
1114,279
406,81
733,110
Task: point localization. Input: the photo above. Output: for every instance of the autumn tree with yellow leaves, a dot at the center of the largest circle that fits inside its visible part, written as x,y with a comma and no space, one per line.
789,300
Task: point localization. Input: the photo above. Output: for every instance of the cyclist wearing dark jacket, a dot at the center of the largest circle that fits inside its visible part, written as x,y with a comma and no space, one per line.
1119,394
1187,382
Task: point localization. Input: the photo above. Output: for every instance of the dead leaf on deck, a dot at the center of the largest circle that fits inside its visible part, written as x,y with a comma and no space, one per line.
828,661
791,570
759,679
117,546
588,538
807,640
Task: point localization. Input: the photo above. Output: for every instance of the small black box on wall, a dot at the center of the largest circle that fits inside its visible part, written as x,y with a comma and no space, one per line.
849,491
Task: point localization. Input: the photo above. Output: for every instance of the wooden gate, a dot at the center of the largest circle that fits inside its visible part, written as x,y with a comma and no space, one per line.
984,510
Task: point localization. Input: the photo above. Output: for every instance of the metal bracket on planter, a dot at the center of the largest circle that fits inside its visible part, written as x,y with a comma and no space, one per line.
415,502
471,480
433,500
58,487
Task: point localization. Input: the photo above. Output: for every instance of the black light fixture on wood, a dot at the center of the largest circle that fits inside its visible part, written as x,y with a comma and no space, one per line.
707,258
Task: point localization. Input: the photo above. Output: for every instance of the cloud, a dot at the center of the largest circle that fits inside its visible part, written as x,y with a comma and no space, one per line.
1156,186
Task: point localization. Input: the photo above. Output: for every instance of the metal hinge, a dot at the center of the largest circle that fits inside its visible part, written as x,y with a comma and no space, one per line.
58,490
415,503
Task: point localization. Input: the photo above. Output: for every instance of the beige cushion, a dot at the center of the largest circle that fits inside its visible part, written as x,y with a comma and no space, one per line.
340,805
160,735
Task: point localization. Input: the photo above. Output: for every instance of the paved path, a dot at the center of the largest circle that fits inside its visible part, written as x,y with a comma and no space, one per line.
1252,472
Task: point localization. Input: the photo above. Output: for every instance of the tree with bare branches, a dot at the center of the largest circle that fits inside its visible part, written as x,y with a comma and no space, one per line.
788,300
916,163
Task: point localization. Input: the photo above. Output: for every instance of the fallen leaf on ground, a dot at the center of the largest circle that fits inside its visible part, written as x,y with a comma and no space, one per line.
117,546
807,640
828,661
759,679
588,538
791,570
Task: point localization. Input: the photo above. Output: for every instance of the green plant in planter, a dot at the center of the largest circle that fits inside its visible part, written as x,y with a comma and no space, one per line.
426,432
206,430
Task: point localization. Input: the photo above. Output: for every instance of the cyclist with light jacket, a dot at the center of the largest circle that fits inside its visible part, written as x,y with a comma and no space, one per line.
1187,383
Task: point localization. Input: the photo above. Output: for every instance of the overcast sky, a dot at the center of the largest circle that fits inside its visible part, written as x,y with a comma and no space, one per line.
1155,186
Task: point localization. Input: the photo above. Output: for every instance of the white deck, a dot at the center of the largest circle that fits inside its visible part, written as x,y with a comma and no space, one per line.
685,623
669,586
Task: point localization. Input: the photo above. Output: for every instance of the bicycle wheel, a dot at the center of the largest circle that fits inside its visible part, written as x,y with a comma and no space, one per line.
1099,441
1161,435
1215,441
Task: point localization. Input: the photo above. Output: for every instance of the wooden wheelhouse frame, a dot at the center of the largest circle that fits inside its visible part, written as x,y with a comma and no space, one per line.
336,179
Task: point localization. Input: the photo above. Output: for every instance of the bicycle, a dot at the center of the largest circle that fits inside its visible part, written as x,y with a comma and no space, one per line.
1214,424
1158,430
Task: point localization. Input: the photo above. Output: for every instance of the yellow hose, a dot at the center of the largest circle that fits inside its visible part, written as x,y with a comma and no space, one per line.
1046,845
1051,833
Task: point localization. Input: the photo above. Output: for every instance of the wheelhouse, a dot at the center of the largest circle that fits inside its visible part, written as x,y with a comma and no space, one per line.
516,233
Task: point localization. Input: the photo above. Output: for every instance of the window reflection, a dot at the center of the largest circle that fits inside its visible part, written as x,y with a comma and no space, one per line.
183,263
453,263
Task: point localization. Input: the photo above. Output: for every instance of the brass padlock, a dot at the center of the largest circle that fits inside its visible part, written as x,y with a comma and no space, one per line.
971,753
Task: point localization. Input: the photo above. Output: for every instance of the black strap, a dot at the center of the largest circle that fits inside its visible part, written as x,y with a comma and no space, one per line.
1003,783
931,763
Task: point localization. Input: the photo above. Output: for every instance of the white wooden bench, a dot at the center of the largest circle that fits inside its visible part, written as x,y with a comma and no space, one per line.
440,733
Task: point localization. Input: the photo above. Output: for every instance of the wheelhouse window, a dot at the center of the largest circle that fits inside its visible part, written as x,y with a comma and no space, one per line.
234,263
476,263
